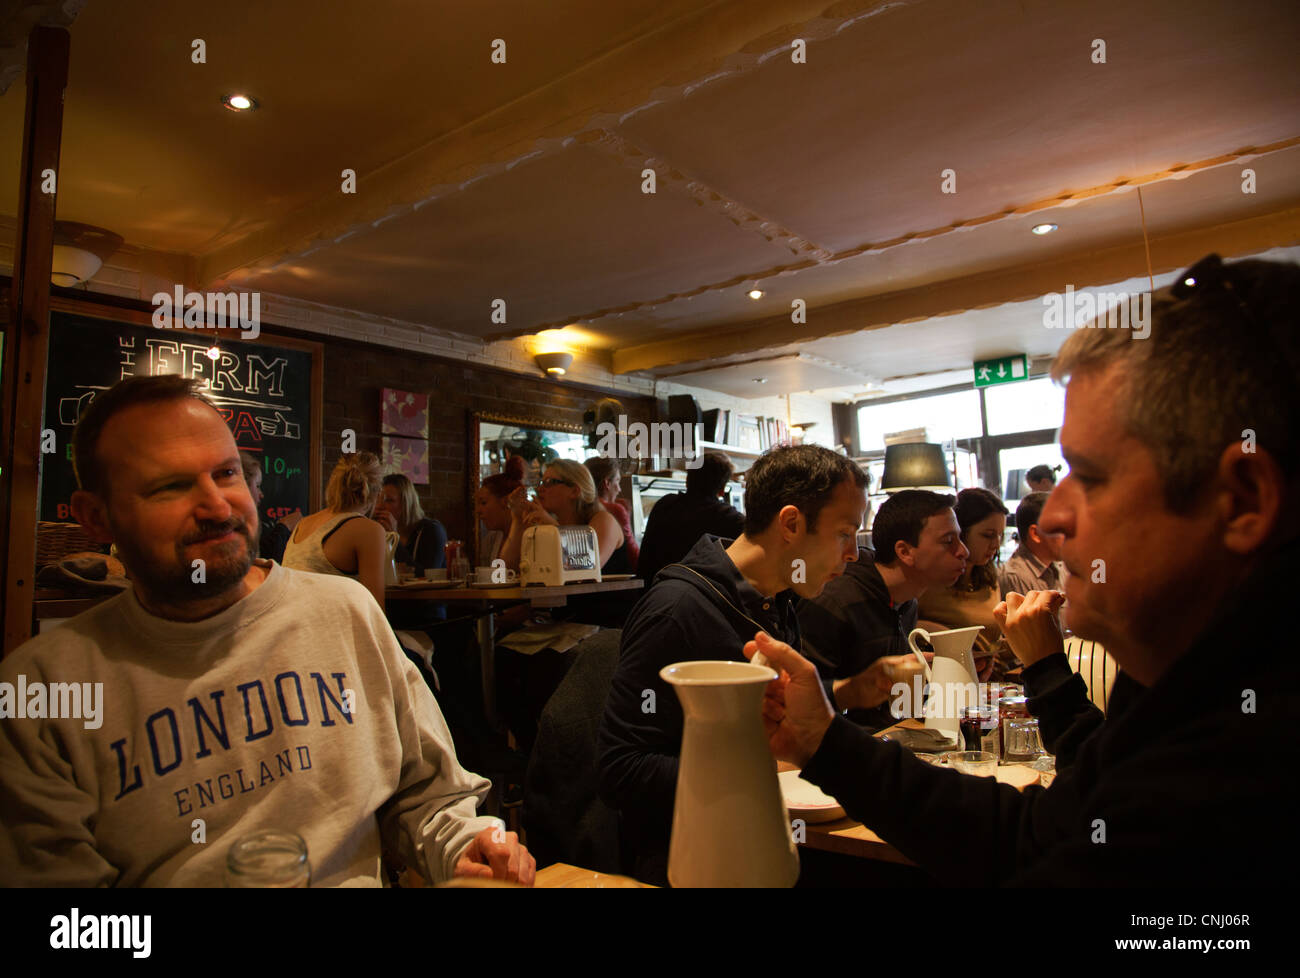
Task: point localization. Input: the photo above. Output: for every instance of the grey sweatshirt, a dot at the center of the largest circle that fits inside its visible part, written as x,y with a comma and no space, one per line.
238,721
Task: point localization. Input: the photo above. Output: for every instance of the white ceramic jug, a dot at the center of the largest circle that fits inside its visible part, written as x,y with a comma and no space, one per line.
953,679
730,826
390,561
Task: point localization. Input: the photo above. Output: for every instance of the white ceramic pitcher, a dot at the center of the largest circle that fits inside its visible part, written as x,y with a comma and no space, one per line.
954,666
730,826
390,561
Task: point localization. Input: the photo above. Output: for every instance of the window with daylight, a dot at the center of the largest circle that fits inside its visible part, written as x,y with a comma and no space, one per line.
944,416
1029,406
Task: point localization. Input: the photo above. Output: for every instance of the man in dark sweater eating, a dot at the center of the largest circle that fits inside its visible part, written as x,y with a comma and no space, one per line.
803,507
1179,529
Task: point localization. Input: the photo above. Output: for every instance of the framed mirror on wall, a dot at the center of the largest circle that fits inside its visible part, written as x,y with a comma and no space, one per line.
495,438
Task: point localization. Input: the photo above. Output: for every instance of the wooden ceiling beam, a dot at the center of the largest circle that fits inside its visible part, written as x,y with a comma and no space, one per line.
1082,270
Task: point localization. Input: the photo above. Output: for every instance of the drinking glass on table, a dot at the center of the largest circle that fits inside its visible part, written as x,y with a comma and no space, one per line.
275,858
1022,741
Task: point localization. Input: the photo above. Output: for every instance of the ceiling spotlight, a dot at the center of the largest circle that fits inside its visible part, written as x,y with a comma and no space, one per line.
1189,281
239,103
555,364
756,293
760,380
1043,228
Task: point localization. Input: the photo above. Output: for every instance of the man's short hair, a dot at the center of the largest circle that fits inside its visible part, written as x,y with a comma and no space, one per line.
1222,356
803,476
126,393
902,517
1040,472
1028,513
714,472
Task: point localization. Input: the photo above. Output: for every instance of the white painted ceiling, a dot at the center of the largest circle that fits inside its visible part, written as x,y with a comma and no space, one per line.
818,181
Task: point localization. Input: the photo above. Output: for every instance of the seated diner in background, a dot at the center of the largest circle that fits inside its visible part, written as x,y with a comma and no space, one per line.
1181,782
341,538
422,540
159,476
803,507
858,625
274,534
1041,478
606,475
1033,567
971,600
677,522
566,496
503,525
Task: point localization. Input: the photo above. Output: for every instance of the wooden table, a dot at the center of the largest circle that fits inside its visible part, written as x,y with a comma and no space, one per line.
558,875
486,598
851,838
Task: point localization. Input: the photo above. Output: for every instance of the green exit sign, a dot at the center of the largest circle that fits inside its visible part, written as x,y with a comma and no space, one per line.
1003,370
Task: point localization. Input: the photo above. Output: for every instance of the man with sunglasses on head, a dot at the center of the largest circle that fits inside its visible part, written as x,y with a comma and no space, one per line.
240,695
1179,528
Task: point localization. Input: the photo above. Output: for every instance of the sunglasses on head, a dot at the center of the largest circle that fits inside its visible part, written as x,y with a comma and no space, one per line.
556,482
1208,279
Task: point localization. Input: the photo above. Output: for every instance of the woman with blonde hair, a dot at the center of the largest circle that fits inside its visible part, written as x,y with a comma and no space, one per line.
341,539
566,496
423,542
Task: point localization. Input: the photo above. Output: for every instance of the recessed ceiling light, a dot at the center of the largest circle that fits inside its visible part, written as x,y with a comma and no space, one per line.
756,293
1189,281
1043,228
239,103
760,380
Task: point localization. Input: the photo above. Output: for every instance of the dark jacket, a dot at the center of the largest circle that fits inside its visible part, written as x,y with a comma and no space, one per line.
851,624
1185,783
676,524
701,608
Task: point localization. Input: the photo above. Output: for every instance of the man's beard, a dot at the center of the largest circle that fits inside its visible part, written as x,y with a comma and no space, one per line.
181,583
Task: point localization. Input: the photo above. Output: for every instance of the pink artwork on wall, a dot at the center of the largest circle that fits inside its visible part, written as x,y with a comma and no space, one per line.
404,413
409,456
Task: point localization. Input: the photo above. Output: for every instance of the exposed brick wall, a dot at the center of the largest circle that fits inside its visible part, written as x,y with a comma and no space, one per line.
355,373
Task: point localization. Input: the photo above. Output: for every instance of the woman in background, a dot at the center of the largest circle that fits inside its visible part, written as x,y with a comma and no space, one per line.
423,540
983,521
567,497
341,539
605,473
501,516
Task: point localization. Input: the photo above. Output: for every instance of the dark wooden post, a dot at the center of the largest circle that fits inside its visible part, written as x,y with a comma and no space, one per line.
27,335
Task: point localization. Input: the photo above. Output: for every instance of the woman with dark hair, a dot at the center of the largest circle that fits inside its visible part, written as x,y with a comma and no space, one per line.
608,477
502,520
983,521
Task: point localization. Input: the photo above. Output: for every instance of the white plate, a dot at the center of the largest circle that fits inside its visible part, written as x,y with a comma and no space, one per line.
806,801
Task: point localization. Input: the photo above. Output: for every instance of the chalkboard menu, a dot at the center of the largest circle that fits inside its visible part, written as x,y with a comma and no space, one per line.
263,391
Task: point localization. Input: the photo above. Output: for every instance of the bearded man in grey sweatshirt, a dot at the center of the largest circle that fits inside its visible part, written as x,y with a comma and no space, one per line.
237,695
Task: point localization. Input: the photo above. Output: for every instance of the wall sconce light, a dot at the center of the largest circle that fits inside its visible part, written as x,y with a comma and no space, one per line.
555,364
79,252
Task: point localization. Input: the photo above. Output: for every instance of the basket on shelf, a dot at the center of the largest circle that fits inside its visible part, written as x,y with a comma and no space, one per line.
54,541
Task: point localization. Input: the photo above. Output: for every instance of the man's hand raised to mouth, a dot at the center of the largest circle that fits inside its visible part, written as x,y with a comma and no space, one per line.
796,714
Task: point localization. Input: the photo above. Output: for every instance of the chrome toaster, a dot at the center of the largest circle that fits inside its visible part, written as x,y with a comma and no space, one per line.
554,555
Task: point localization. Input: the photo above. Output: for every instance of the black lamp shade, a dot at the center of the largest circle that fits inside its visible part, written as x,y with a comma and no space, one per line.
915,465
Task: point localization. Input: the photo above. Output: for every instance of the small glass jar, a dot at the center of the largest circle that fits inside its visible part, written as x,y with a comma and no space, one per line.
268,858
1009,707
